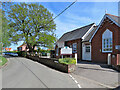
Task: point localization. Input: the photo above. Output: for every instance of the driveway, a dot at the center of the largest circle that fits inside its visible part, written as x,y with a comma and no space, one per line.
24,73
90,75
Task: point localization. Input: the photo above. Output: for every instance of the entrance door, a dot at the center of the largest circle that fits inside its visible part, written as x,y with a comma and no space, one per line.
86,52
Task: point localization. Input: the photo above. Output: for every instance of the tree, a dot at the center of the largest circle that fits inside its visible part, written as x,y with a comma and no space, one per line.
32,23
4,27
5,35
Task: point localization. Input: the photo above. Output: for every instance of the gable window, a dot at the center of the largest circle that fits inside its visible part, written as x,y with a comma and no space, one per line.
87,48
107,41
74,47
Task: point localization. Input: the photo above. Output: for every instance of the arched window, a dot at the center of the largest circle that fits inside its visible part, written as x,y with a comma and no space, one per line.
107,41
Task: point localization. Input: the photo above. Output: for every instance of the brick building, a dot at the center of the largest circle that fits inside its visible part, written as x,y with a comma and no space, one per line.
73,39
106,40
94,43
24,47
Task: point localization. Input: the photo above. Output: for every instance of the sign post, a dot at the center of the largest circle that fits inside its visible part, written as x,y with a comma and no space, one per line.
76,57
66,51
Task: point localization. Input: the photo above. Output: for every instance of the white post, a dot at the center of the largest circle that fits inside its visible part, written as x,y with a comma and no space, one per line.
76,57
48,55
109,59
62,56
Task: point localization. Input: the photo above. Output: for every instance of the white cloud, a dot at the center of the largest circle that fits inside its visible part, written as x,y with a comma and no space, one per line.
63,27
71,22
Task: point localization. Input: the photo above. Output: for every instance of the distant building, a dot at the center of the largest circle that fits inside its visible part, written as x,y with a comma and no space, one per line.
15,50
24,47
8,49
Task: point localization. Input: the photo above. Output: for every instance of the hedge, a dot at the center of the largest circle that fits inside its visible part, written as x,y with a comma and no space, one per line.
68,60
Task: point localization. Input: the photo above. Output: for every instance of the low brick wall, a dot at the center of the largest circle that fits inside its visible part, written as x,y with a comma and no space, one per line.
115,61
118,59
53,63
116,67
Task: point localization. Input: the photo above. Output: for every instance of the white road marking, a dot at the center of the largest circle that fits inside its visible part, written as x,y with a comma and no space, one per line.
79,86
75,81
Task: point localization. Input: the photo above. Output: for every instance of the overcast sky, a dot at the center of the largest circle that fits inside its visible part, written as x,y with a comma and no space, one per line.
78,15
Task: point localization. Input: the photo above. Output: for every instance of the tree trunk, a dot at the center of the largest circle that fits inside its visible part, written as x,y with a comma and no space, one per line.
31,48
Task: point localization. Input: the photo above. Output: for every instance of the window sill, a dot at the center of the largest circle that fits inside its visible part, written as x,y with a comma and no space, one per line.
106,51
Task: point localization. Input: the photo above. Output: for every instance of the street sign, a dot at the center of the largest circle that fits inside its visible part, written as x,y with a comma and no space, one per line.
66,51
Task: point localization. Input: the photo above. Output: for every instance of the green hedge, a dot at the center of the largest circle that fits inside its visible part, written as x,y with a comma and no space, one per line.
21,53
12,51
68,61
43,52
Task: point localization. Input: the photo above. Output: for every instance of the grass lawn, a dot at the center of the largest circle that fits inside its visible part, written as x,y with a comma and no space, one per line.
2,60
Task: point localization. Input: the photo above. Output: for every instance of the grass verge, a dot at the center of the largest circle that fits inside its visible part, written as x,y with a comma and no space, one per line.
3,60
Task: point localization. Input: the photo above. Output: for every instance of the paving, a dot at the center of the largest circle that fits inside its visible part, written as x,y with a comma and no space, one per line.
91,75
24,73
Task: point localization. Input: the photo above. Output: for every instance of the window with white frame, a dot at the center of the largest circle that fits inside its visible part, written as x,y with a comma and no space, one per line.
87,48
107,44
74,47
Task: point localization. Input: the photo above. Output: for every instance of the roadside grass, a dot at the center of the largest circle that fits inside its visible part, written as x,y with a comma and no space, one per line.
3,60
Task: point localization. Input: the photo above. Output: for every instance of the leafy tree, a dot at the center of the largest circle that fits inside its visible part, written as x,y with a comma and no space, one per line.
4,27
5,35
0,28
32,23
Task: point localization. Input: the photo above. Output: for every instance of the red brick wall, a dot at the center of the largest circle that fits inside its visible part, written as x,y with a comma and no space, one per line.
79,47
114,60
58,52
97,55
118,59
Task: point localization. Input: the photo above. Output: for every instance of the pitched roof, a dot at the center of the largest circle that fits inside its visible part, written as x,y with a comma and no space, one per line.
75,34
90,35
115,18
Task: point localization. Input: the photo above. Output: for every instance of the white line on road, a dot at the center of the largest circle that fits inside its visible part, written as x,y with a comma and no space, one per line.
79,86
75,81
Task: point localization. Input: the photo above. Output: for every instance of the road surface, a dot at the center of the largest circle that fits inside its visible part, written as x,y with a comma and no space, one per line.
24,73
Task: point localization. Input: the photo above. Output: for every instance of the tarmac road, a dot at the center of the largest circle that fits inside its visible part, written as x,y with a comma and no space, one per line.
24,73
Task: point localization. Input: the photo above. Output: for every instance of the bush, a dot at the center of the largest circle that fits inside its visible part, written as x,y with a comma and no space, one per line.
43,52
21,53
3,60
68,61
12,51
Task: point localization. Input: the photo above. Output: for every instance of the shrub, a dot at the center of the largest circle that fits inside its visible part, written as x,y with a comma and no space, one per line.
68,61
43,52
21,53
12,51
3,60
